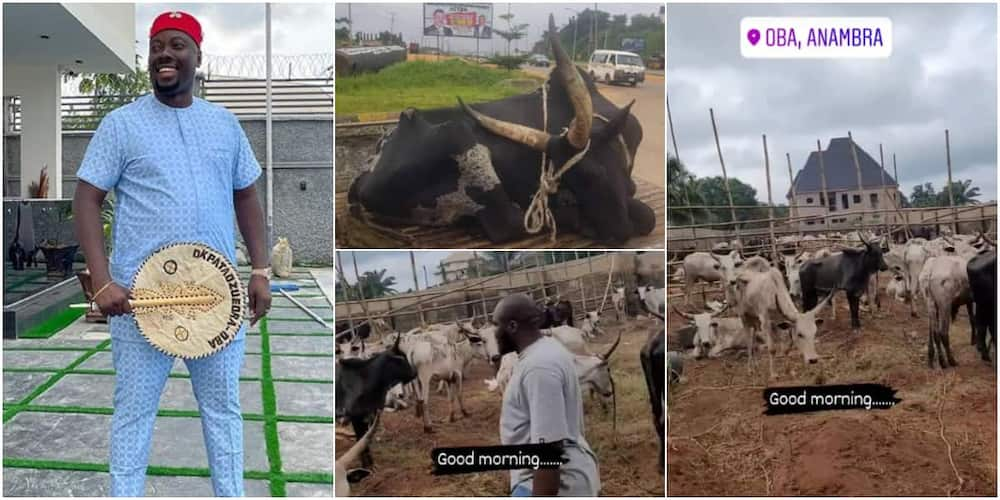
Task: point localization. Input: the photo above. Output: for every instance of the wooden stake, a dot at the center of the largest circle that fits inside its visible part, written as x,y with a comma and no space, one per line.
673,138
899,192
793,206
361,291
825,197
881,164
951,196
770,203
857,170
725,177
347,293
416,284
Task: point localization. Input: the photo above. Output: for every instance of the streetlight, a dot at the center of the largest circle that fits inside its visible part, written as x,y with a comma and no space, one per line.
575,20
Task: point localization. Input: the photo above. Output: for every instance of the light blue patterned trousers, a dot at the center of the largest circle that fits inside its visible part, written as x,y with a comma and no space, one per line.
141,373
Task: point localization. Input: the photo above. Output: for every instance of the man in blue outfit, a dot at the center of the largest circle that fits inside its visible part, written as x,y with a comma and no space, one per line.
182,170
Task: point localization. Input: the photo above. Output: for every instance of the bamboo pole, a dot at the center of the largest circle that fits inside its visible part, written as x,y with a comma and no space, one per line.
583,293
541,275
416,284
793,206
881,164
906,217
951,195
725,177
770,202
825,197
347,294
673,138
857,171
361,291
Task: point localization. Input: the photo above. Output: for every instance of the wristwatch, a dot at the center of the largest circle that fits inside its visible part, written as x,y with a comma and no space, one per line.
263,272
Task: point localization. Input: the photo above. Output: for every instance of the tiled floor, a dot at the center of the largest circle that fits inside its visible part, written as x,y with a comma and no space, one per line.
57,406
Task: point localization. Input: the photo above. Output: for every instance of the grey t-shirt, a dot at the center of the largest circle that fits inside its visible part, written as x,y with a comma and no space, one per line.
543,403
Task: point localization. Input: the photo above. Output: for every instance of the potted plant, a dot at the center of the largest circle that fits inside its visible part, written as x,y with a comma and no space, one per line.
107,218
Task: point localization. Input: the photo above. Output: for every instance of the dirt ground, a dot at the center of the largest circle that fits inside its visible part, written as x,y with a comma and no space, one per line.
721,444
627,461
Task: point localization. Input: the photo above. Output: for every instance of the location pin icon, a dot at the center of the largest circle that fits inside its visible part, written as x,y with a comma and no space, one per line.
754,36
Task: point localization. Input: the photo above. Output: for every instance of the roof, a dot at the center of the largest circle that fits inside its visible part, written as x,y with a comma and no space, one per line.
457,257
620,52
838,165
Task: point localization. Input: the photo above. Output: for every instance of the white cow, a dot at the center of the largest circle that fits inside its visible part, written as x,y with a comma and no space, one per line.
945,282
792,265
713,334
708,267
759,294
618,300
590,324
446,361
653,298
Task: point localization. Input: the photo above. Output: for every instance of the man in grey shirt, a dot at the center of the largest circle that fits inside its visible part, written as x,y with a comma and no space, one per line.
542,404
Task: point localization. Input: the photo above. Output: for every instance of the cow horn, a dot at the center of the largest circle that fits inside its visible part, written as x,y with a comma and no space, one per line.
522,134
988,240
682,313
724,307
614,346
395,345
576,90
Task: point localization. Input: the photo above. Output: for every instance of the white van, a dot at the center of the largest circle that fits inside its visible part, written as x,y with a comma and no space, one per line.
616,66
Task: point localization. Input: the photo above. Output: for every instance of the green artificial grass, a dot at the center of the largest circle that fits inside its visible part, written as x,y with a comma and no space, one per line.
11,285
53,324
275,476
270,413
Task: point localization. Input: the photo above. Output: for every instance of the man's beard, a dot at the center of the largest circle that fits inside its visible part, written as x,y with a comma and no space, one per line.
178,87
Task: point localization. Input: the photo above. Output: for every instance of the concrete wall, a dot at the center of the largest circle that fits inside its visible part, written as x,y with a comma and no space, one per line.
303,179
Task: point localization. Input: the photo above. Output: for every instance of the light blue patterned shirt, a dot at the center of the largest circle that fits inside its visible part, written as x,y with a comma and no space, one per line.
173,171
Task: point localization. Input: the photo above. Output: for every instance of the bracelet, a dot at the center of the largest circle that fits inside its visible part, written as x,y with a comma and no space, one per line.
263,272
103,288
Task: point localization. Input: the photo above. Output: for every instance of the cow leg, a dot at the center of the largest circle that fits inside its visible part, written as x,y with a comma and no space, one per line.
931,341
972,321
451,398
360,426
765,326
688,284
425,394
461,402
945,341
854,301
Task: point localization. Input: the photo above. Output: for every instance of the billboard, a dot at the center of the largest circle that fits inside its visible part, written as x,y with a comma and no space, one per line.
458,20
637,45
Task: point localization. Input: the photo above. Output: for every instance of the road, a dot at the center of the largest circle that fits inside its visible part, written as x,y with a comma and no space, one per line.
649,108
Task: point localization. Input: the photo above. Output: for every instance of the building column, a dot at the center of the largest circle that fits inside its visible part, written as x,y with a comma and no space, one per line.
41,127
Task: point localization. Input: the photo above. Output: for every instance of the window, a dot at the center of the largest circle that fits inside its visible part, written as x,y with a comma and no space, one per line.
809,201
857,199
809,223
843,201
873,198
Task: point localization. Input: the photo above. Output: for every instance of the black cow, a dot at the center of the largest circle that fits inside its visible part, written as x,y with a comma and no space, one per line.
982,271
345,334
557,314
479,165
849,271
652,357
362,385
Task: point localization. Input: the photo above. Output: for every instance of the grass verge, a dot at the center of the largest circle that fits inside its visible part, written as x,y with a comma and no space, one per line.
53,324
425,85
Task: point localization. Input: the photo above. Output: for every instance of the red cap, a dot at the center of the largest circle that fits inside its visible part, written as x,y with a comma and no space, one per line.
180,21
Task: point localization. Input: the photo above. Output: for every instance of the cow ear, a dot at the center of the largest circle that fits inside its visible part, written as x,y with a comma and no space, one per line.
614,126
356,475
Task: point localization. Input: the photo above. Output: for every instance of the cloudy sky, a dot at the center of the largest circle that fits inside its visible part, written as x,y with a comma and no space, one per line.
236,29
942,74
373,18
396,264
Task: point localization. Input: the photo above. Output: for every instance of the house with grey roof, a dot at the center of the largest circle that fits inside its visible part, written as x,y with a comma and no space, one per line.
834,188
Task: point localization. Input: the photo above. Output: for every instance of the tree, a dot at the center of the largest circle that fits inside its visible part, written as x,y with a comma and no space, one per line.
513,32
342,31
963,191
923,196
376,284
681,192
109,91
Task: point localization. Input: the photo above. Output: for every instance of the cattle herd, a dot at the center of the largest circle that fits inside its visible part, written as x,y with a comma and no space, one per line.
944,273
383,370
